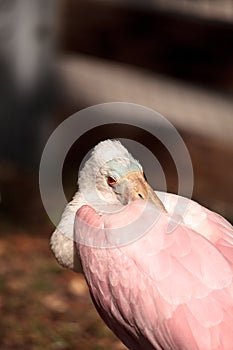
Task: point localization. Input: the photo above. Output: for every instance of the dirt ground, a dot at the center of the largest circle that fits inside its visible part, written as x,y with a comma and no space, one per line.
42,305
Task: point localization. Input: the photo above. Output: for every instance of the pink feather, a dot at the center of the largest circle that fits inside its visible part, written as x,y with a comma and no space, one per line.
162,291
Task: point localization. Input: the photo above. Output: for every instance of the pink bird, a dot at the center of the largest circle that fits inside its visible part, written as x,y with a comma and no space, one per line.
159,266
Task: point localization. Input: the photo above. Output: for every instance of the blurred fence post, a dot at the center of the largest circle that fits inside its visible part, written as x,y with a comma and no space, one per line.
27,42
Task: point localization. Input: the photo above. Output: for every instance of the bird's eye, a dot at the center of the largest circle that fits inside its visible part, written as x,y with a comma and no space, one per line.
111,181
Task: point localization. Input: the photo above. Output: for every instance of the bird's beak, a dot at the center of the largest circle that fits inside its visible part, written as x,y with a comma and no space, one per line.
133,186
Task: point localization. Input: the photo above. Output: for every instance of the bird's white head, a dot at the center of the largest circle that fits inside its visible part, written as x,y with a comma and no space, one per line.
113,176
110,177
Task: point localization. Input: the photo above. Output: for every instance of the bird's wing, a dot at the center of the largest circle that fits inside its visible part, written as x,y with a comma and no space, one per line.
175,290
207,223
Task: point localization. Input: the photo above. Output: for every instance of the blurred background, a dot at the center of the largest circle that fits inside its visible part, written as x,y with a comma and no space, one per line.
57,57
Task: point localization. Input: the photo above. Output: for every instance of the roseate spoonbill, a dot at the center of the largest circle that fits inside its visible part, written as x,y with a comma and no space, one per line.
160,291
